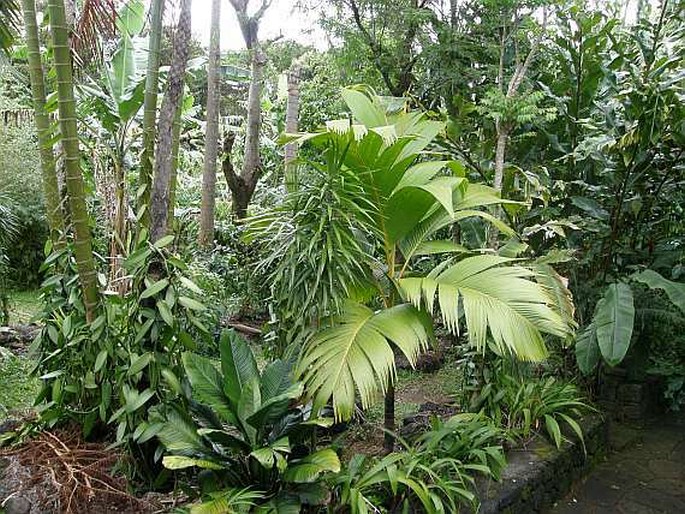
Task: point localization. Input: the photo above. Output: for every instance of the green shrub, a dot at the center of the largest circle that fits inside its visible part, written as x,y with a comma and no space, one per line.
112,371
524,406
247,430
434,475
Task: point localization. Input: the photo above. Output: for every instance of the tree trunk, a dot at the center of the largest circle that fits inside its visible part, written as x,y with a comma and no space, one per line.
206,235
389,419
175,148
150,112
159,200
118,238
85,263
47,156
252,166
242,187
291,124
239,193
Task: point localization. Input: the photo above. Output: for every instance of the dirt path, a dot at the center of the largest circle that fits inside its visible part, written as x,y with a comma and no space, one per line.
646,477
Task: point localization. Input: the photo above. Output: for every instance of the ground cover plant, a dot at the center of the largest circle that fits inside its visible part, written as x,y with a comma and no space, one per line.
343,277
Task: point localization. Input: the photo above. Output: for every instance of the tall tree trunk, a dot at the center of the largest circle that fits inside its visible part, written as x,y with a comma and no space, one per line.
159,200
292,111
239,191
47,156
389,419
175,148
85,263
243,186
150,111
206,235
252,165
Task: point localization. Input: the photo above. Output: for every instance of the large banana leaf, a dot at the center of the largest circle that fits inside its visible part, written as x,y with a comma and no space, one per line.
354,355
614,318
674,290
502,301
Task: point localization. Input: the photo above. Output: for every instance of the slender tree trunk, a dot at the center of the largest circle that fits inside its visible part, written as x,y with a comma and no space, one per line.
389,419
240,197
175,148
291,125
85,263
206,235
47,156
500,154
150,112
159,200
252,166
243,186
117,244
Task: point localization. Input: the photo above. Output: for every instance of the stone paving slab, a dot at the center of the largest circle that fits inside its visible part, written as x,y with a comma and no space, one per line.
647,477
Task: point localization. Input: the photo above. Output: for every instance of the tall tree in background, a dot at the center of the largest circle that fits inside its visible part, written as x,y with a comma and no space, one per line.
159,200
387,32
243,186
292,112
70,144
47,156
150,110
206,235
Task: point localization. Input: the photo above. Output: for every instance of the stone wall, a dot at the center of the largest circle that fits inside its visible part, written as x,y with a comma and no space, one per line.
539,475
626,399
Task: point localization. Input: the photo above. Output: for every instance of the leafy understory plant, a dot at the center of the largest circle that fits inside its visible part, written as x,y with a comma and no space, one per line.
113,370
373,204
527,406
247,429
609,334
435,475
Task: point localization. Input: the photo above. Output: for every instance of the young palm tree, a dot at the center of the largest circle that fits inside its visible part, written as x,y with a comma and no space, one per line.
365,249
47,157
72,157
206,235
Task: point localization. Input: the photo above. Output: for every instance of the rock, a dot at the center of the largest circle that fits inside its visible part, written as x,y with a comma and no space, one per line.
18,338
17,505
416,424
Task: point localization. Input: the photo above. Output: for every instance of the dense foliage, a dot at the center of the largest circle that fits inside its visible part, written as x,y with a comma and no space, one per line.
504,178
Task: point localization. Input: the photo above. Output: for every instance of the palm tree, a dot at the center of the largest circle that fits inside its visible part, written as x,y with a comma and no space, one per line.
206,235
352,252
47,157
159,201
72,157
150,110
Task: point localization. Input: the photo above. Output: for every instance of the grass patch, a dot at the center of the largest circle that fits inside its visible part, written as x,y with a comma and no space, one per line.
17,388
24,306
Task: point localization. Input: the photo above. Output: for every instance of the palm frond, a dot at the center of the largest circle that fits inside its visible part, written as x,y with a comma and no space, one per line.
10,14
502,301
354,355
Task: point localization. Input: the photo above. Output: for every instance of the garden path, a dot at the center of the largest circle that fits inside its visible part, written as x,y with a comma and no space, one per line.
646,476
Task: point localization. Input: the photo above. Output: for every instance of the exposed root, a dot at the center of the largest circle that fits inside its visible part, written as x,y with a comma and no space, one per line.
71,476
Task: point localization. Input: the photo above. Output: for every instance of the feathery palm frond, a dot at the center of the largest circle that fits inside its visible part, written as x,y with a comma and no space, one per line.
501,301
9,23
355,354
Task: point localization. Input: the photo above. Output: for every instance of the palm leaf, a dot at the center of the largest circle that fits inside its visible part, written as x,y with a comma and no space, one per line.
500,301
9,23
355,355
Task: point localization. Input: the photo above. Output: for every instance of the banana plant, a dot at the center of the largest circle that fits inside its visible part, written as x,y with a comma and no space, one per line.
608,336
363,249
114,99
247,427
